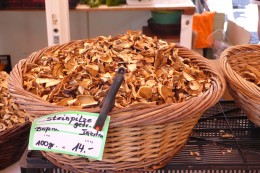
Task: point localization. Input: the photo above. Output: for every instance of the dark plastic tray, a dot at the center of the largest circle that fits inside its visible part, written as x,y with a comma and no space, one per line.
224,140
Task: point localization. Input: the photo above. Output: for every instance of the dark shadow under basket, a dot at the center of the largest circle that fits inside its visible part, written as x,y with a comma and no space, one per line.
140,138
13,143
245,93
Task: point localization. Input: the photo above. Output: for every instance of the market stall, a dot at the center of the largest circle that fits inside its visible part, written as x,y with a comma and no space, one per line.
131,102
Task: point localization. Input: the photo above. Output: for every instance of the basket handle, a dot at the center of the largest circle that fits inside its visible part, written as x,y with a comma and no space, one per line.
108,101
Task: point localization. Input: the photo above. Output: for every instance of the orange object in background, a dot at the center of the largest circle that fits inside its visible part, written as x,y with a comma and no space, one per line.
2,66
203,26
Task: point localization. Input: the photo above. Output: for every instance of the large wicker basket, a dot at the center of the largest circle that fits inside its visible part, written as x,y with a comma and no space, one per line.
245,93
145,138
13,143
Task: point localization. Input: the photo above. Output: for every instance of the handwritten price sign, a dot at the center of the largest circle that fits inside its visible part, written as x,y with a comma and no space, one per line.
69,133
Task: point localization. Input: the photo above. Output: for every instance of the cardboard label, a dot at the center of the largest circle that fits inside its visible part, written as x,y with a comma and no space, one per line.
69,133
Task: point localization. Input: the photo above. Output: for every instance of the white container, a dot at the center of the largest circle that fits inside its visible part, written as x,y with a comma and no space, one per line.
139,2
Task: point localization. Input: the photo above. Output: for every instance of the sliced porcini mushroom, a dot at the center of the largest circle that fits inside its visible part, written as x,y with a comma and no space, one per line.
6,116
70,63
85,83
181,96
101,68
123,102
145,73
57,70
126,88
14,118
187,77
71,102
85,100
158,58
106,77
138,57
131,67
194,85
125,57
253,70
92,69
149,60
151,83
247,67
89,66
95,57
45,97
164,91
126,45
134,94
158,72
171,72
10,112
81,90
145,92
66,101
47,81
2,127
155,98
106,58
21,120
81,51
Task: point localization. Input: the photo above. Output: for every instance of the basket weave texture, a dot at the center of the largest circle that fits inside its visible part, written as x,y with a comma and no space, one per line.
13,143
140,138
245,93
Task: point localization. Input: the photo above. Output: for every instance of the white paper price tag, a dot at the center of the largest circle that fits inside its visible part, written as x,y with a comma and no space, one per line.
69,133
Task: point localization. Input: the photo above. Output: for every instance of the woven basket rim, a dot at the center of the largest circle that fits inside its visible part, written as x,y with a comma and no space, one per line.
211,96
247,88
14,130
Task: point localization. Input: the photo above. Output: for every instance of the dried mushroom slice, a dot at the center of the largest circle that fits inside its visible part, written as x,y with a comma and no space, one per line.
10,113
2,127
194,85
247,66
85,101
145,92
131,67
187,77
165,93
65,101
48,82
57,70
81,74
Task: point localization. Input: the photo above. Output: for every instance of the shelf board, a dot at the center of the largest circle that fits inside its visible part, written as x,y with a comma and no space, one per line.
186,6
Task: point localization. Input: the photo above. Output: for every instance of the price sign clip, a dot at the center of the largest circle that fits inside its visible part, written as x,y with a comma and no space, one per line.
108,101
